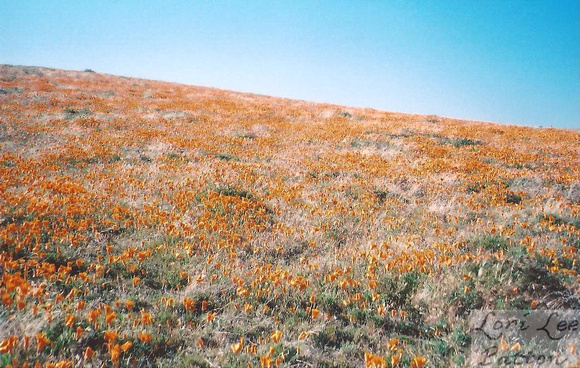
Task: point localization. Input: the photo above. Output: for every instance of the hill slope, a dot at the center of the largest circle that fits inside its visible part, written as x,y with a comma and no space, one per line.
145,223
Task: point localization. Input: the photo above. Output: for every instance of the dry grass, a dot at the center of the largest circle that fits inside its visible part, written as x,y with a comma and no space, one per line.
153,224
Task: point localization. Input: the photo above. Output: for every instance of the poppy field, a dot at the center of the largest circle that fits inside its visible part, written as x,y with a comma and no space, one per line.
153,224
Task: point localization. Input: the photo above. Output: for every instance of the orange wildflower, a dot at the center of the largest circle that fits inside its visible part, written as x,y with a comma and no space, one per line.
126,346
88,353
8,344
146,318
315,313
115,352
237,347
109,317
392,344
7,299
276,336
303,335
372,360
93,315
418,362
252,349
69,320
110,335
41,341
265,361
189,304
145,337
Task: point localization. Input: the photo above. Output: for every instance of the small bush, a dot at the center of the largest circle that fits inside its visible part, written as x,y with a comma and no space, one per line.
233,192
476,187
226,157
491,242
71,113
513,198
459,142
333,336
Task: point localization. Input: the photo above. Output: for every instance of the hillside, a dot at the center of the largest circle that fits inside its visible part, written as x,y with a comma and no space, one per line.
146,224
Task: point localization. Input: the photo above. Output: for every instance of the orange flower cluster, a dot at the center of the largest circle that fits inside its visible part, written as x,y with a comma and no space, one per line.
146,220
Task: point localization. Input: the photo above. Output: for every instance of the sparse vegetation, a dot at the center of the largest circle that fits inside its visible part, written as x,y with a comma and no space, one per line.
171,225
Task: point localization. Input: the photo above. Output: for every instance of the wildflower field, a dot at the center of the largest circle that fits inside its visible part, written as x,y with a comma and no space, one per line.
152,224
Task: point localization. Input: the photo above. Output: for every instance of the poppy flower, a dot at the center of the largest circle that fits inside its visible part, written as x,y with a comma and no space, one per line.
145,337
110,335
189,304
265,361
126,346
315,313
115,352
237,347
418,362
69,320
146,318
41,341
109,317
93,315
276,336
372,360
88,353
7,345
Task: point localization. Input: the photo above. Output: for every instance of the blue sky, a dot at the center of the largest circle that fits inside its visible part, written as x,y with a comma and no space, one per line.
506,61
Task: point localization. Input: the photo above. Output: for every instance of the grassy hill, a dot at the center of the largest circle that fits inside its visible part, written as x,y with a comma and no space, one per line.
148,224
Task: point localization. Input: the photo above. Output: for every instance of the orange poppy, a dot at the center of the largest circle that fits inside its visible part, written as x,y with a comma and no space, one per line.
303,335
276,336
372,360
7,345
88,353
146,318
145,337
41,341
126,346
110,335
189,304
418,362
237,347
109,317
69,320
315,313
79,332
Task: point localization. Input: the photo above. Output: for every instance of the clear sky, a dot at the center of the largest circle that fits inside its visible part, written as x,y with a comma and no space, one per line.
504,61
